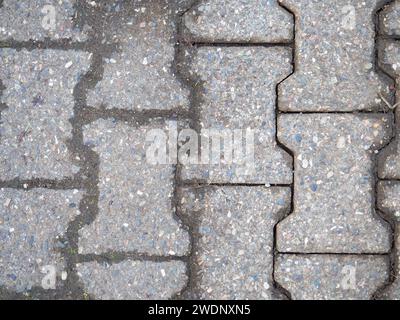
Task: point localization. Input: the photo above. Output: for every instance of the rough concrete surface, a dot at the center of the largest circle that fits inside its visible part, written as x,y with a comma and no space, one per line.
199,149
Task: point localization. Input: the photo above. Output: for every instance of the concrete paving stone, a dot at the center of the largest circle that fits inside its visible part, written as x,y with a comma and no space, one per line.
236,237
389,158
335,54
334,183
389,56
133,280
239,93
390,19
136,211
388,198
238,21
39,20
140,75
331,277
30,223
38,95
389,202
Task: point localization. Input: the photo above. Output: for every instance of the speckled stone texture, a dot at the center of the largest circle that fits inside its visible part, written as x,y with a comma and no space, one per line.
30,224
81,96
389,158
390,19
133,280
334,183
33,20
334,58
239,92
140,75
136,211
38,98
238,21
389,202
331,277
235,246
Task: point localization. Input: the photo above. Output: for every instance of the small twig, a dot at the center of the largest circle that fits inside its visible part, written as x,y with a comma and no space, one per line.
388,103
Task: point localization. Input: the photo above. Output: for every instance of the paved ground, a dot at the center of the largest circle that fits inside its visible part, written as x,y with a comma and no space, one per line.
85,215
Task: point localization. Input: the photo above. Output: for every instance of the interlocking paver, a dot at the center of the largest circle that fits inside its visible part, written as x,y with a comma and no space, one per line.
239,92
236,235
238,21
38,20
38,95
389,159
30,223
139,75
331,277
389,202
334,58
133,279
390,19
334,183
136,211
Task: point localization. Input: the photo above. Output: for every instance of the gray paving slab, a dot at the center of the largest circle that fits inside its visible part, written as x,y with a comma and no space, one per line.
239,93
389,202
136,210
388,198
331,277
389,166
30,224
238,21
390,19
139,75
334,57
234,251
133,280
334,183
38,93
39,20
